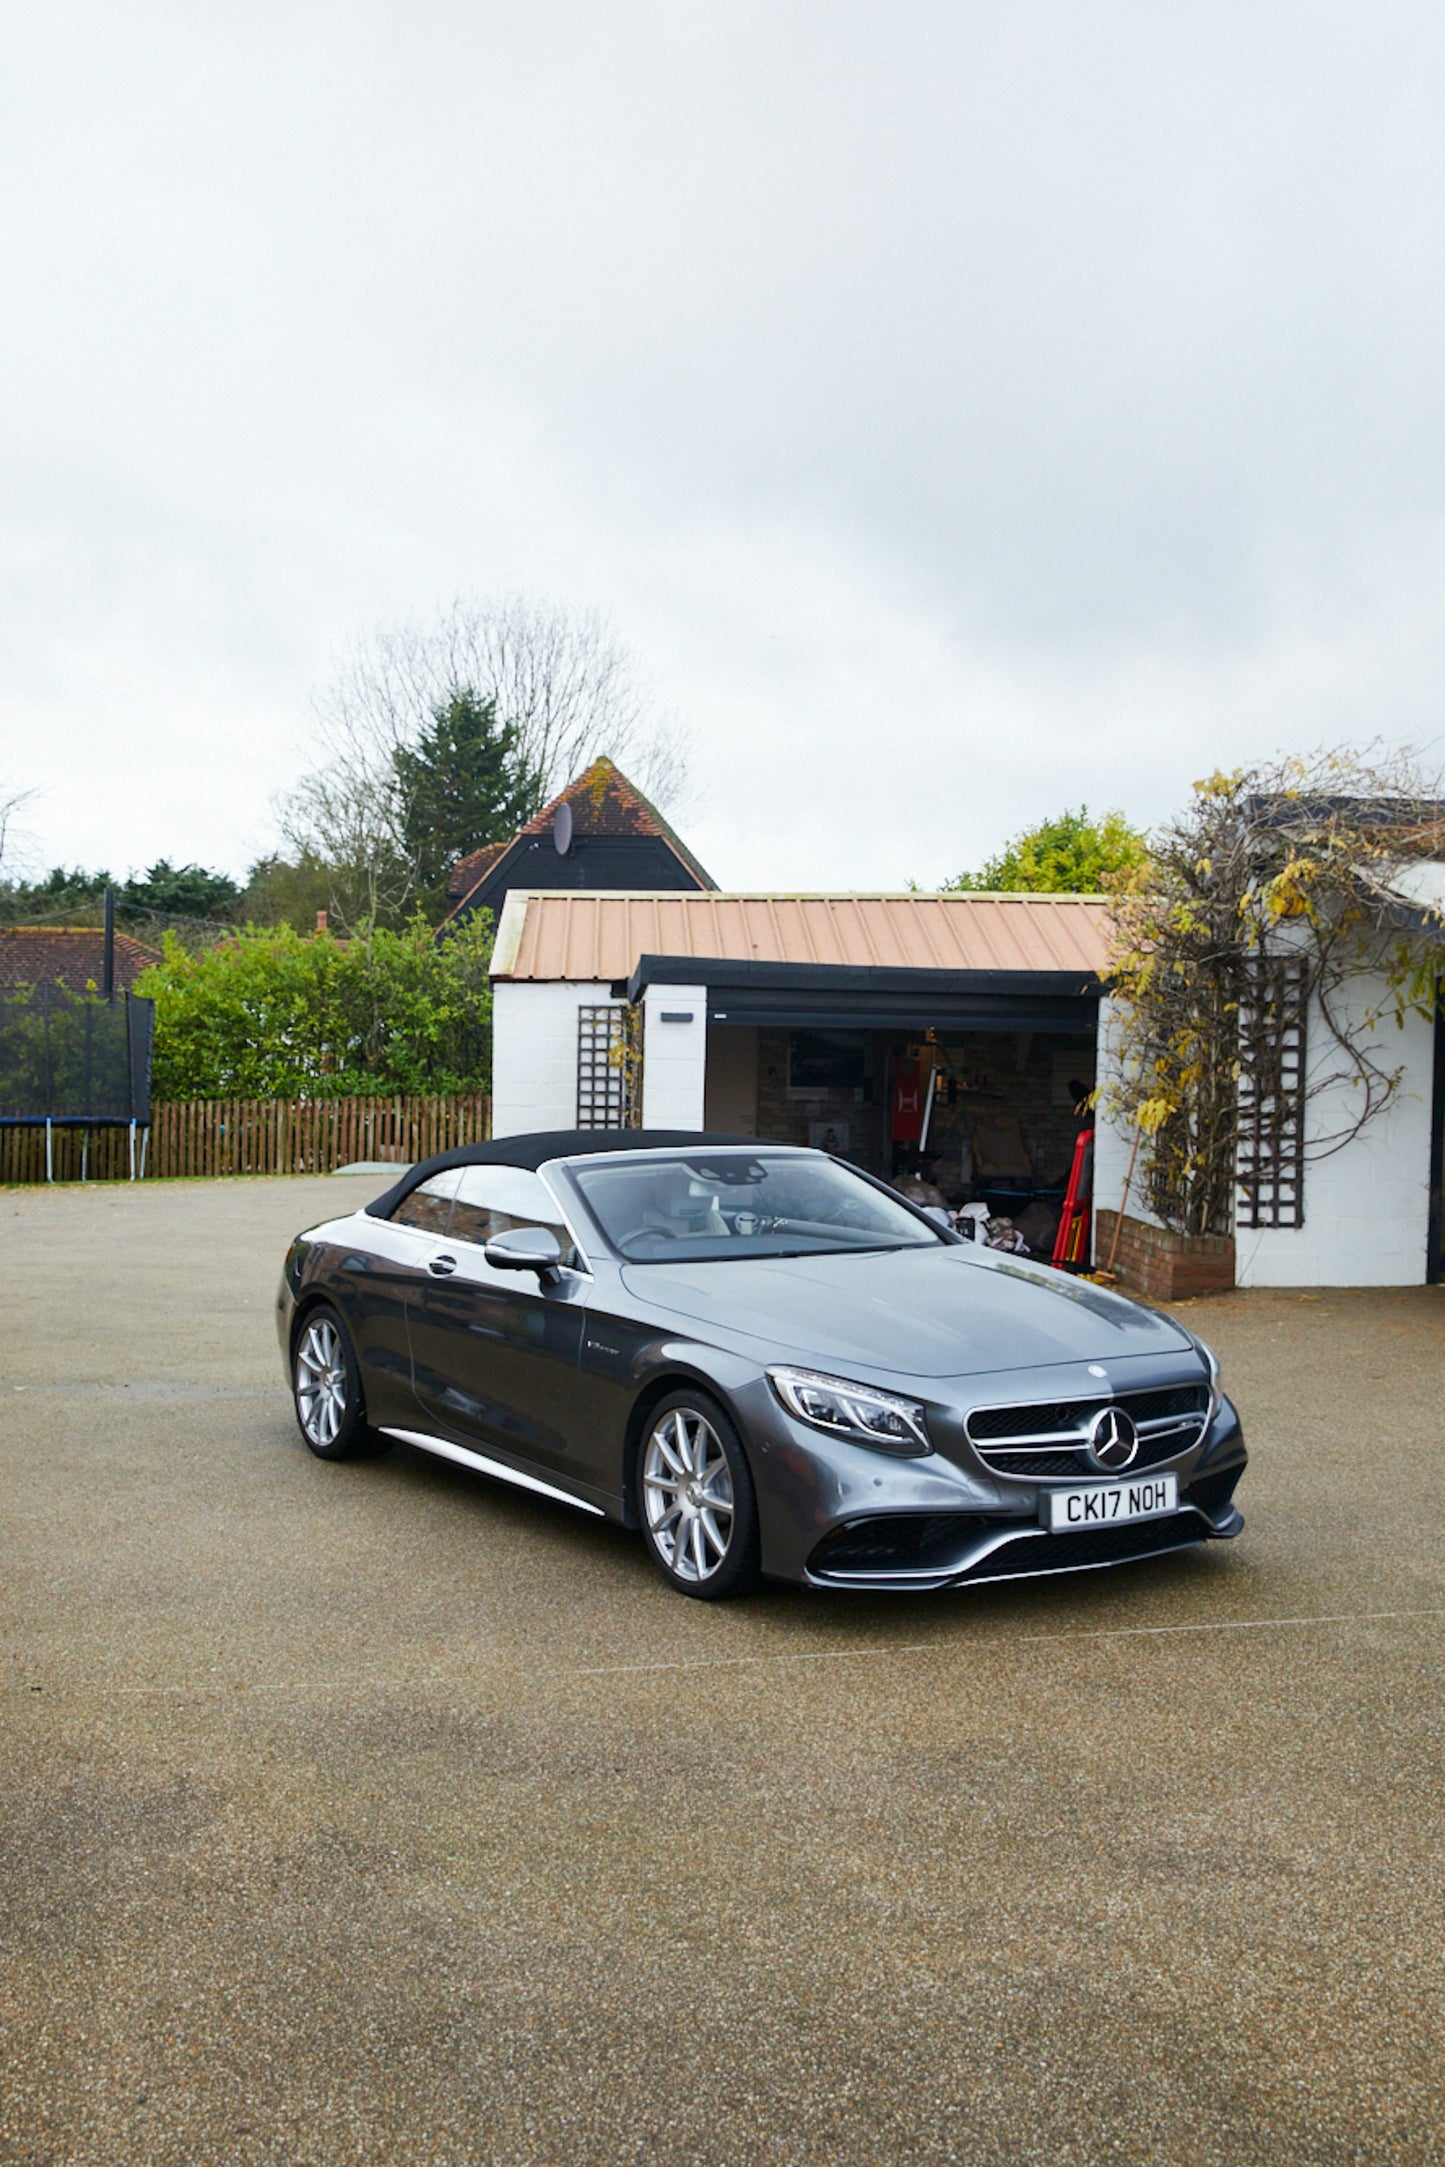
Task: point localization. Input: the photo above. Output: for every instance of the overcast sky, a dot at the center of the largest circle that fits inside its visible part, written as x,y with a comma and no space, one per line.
962,409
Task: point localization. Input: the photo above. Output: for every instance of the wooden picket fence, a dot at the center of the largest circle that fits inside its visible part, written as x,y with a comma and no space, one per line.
203,1137
76,1154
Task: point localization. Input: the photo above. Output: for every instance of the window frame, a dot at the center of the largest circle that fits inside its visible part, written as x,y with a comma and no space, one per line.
945,1237
555,1221
452,1174
581,1264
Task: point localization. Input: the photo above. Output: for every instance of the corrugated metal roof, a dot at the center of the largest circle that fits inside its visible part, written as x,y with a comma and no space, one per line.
590,935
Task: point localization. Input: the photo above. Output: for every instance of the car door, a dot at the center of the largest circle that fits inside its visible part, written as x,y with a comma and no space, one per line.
495,1353
374,1278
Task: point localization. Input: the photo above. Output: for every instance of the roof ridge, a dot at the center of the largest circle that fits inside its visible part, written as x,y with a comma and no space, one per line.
81,932
600,778
692,897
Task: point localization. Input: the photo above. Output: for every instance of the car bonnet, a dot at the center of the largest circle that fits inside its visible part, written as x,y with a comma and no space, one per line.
928,1312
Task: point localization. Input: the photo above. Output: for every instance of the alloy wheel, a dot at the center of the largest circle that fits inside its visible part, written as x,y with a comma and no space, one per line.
687,1490
321,1382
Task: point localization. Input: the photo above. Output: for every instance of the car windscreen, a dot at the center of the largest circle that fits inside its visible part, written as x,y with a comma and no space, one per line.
706,1208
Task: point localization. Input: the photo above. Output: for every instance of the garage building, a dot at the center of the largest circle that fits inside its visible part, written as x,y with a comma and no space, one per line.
952,1033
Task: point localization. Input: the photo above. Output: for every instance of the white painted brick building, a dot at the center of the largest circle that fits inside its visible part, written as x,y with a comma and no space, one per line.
721,983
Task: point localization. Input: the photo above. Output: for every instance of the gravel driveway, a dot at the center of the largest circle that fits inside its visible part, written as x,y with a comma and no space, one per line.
379,1813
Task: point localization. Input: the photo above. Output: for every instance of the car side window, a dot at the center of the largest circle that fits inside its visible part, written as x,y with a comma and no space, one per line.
428,1207
494,1199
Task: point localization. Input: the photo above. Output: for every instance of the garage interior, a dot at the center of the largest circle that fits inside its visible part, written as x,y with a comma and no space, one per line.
986,1116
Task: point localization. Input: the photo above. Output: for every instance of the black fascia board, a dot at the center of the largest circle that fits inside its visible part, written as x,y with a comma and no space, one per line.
723,975
907,1014
1410,917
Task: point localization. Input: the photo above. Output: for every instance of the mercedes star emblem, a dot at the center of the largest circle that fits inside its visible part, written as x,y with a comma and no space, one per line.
1113,1439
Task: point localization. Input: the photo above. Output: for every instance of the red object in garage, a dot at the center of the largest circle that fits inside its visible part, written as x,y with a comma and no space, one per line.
1072,1245
907,1102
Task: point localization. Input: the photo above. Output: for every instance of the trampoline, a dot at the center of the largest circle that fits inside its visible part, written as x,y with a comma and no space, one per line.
77,1061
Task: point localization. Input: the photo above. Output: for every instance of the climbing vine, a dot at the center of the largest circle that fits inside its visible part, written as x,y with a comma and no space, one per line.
1297,868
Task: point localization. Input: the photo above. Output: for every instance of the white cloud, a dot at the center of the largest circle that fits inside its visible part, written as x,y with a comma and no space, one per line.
965,410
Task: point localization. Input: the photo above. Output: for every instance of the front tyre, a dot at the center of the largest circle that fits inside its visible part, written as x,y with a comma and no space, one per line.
326,1386
699,1510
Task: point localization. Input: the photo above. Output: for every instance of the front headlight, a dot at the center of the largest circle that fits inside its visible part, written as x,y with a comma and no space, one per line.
1215,1392
854,1411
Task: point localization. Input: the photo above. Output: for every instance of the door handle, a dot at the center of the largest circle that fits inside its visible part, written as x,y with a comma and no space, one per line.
442,1267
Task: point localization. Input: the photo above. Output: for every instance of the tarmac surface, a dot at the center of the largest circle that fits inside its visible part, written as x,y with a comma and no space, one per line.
377,1812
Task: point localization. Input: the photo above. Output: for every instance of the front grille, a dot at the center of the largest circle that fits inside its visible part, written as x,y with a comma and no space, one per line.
1092,1546
1075,1463
1047,1438
1212,1491
900,1540
989,1423
1036,1466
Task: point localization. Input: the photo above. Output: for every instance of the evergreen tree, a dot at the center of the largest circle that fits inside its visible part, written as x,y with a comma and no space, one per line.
64,889
465,783
287,891
181,891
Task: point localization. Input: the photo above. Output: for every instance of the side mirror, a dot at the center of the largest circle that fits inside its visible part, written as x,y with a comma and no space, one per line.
526,1249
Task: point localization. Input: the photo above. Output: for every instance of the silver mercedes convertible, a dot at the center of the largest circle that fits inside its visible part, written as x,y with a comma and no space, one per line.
766,1361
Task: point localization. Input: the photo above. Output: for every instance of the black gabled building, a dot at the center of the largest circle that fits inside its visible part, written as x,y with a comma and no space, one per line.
600,832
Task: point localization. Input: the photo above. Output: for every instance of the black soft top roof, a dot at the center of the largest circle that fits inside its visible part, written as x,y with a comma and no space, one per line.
535,1150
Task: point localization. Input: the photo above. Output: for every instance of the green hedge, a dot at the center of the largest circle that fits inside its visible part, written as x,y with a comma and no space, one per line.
274,1013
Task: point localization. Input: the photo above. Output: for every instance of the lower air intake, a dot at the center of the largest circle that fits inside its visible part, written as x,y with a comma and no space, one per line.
901,1541
1213,1490
1092,1546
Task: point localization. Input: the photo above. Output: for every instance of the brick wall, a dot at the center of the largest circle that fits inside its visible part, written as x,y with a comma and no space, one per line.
1005,1072
784,1120
534,1053
1167,1267
1012,1074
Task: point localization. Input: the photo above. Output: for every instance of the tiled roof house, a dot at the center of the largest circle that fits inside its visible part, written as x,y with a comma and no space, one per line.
69,956
598,833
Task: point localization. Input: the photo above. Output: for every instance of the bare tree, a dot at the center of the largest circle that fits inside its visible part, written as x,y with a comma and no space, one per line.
563,679
346,818
570,686
12,804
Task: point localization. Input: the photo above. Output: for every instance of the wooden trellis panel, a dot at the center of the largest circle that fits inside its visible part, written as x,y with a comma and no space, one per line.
1270,1172
609,1066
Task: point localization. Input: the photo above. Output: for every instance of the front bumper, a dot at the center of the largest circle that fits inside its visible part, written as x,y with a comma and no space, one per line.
836,1515
957,1550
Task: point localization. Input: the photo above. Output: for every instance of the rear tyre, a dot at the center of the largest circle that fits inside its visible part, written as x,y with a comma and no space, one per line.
699,1511
326,1388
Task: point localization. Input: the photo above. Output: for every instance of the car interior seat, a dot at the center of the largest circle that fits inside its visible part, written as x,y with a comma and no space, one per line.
683,1205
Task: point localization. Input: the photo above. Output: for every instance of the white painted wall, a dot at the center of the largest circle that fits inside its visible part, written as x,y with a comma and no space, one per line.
674,1057
1367,1207
1113,1145
534,1052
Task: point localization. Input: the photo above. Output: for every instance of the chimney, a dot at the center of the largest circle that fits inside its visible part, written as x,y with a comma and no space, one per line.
321,921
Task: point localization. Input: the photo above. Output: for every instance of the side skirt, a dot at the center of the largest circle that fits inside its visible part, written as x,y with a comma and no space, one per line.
446,1450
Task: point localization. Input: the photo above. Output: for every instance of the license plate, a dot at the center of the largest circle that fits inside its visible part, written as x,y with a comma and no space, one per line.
1106,1504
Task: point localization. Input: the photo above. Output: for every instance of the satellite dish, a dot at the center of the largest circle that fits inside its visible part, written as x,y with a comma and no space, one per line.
562,829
